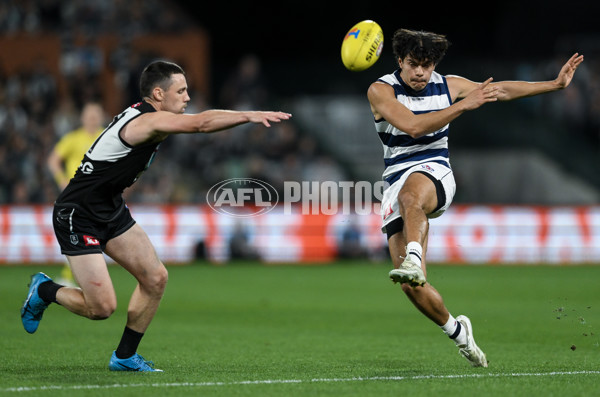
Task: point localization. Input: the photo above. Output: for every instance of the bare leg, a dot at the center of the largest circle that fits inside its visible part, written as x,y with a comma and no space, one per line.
426,298
417,198
134,252
95,299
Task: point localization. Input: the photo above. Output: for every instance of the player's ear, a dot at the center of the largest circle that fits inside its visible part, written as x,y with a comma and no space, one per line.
158,93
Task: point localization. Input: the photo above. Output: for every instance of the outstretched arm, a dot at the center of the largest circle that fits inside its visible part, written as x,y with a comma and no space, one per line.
159,124
509,90
217,120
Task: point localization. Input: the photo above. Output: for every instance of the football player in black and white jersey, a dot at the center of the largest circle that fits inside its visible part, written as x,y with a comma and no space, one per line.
91,219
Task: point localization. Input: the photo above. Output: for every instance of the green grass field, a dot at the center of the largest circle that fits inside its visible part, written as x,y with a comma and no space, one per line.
334,330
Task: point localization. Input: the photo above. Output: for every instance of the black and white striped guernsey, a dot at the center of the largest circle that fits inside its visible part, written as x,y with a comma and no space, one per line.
108,167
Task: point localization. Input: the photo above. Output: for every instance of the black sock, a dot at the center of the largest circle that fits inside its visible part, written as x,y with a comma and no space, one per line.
129,343
47,291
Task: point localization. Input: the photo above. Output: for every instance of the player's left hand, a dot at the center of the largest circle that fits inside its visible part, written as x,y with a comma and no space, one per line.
568,70
266,117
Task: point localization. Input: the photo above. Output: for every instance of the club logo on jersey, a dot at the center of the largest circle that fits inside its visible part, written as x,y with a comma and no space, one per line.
87,167
242,197
89,240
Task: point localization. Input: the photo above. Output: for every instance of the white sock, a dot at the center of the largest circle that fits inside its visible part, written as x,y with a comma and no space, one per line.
455,331
414,252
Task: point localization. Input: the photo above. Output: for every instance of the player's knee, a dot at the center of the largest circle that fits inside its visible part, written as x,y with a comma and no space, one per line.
156,280
161,278
408,198
102,311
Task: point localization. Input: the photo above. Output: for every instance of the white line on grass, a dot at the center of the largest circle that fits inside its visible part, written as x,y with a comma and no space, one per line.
284,381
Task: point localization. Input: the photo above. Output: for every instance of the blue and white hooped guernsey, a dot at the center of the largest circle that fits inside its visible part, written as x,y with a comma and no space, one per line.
400,150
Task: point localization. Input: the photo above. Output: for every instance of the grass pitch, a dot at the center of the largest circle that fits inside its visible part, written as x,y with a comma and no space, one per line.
247,329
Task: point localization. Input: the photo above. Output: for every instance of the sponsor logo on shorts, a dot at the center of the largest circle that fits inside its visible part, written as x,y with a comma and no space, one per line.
389,211
89,240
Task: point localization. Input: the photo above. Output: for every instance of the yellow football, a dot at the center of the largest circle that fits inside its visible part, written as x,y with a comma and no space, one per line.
362,45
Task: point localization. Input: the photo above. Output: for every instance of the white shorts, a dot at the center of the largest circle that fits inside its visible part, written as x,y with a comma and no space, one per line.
390,209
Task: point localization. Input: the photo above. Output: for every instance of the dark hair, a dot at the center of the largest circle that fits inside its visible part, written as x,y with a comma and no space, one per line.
421,46
158,73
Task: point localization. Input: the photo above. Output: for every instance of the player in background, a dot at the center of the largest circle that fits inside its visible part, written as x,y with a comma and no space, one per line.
67,154
412,108
90,217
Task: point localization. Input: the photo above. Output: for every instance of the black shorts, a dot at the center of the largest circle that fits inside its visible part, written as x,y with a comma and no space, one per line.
80,234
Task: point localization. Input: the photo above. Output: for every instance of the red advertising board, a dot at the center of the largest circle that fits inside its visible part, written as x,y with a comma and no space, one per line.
470,234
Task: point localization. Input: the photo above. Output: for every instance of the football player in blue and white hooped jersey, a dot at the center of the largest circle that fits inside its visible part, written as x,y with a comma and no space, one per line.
413,108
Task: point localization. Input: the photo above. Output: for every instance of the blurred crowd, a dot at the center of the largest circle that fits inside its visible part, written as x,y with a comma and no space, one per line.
127,17
33,116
